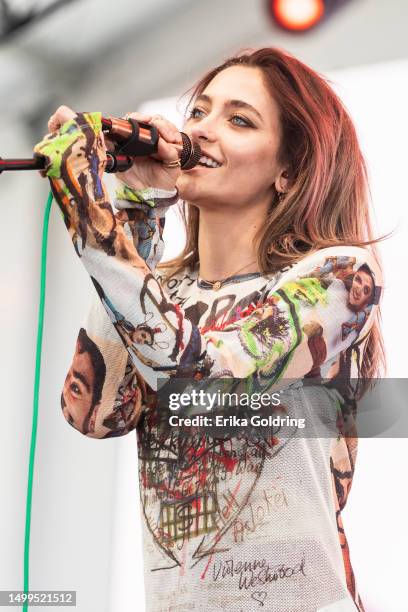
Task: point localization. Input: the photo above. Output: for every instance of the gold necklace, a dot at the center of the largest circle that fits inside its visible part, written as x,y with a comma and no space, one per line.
217,284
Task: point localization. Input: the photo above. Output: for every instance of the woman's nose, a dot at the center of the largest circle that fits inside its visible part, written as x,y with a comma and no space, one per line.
203,131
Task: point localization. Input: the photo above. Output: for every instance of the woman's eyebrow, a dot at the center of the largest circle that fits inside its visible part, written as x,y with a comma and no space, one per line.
233,103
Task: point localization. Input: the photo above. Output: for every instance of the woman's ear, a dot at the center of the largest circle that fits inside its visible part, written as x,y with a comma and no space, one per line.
282,182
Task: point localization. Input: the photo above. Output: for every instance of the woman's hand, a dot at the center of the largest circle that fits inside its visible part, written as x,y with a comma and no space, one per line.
72,140
61,115
150,171
146,171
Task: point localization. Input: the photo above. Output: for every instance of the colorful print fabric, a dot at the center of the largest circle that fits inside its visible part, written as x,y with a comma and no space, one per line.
232,523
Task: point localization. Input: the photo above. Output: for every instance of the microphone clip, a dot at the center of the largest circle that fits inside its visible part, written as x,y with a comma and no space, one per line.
134,138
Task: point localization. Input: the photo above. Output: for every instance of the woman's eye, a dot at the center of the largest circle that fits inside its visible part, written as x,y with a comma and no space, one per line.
243,122
193,113
197,113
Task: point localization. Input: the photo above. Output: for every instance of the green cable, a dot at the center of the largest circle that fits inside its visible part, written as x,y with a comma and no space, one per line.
36,395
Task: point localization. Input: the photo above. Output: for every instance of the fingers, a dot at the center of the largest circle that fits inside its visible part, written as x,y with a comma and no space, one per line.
166,129
138,117
169,134
166,151
61,115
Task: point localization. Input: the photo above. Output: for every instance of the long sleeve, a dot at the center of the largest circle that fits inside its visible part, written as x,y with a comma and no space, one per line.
321,307
119,394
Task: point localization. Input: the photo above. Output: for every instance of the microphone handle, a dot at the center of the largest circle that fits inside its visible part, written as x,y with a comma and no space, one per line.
114,163
137,138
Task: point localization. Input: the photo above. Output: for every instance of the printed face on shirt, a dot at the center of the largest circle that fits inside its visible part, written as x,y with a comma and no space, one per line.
361,291
236,122
142,336
78,391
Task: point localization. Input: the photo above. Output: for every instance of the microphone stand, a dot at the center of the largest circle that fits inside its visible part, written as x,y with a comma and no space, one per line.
114,163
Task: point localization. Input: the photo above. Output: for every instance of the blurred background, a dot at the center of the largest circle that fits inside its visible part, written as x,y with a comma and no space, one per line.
122,56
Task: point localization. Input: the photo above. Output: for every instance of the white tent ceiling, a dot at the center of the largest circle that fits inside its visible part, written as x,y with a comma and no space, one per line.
108,55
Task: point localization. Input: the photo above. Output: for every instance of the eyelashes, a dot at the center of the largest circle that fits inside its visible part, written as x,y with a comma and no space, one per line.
74,388
235,117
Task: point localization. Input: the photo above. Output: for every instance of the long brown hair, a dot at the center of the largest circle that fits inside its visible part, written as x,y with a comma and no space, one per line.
328,200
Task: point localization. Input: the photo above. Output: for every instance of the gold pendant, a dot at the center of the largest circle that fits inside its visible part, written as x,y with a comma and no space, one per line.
217,286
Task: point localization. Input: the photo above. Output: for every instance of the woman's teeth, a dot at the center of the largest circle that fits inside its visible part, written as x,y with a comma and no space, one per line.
207,161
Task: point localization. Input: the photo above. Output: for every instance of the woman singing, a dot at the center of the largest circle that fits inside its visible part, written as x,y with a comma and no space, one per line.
279,281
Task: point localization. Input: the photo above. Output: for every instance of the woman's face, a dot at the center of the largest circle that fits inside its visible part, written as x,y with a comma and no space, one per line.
236,123
361,290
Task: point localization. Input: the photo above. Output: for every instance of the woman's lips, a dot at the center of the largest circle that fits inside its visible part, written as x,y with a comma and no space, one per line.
200,167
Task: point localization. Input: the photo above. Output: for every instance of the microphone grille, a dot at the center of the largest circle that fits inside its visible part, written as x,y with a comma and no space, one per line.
190,154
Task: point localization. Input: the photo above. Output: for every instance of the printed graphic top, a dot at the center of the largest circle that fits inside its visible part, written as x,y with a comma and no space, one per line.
234,521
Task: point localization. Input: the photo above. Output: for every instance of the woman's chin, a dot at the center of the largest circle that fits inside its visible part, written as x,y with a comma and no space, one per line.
191,188
187,188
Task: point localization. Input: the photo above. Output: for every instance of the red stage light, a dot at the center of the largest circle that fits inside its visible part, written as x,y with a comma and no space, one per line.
297,15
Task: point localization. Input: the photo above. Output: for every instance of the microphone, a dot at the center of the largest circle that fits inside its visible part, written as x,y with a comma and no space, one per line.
137,138
133,139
